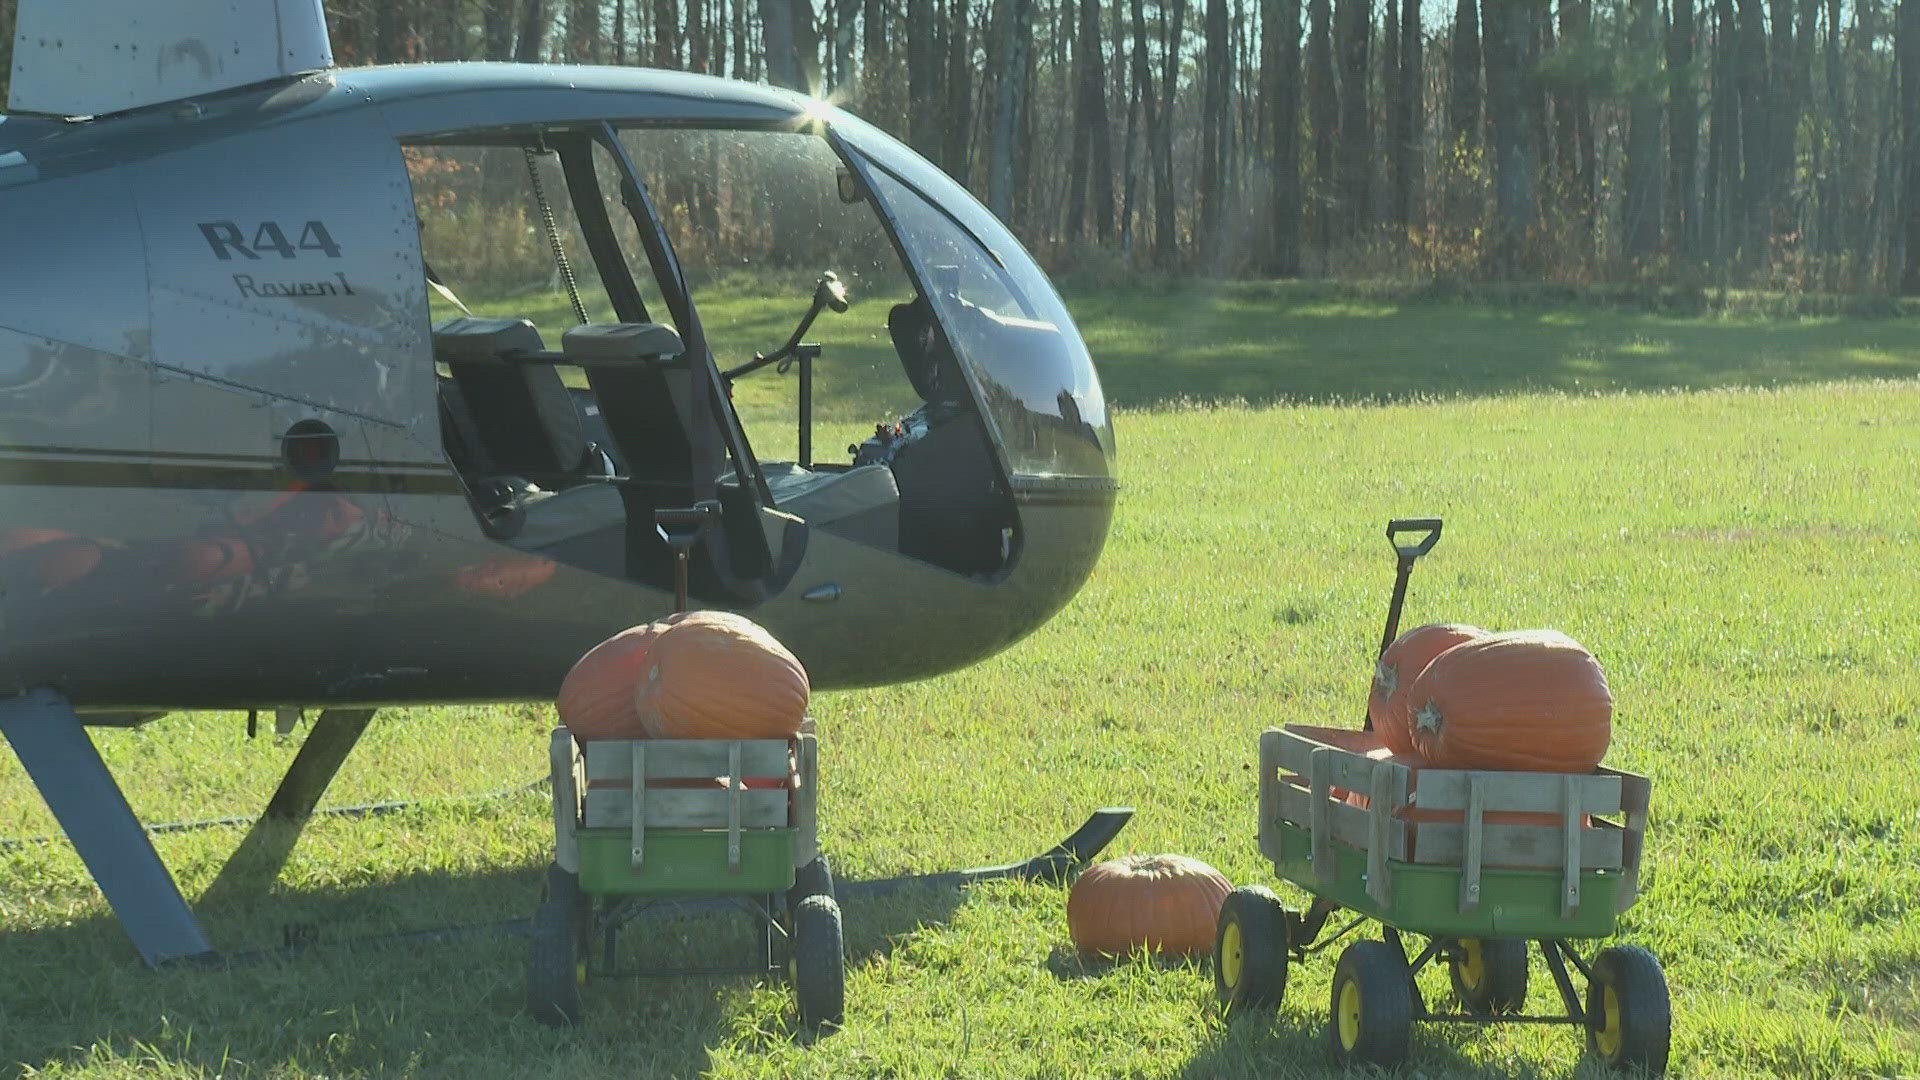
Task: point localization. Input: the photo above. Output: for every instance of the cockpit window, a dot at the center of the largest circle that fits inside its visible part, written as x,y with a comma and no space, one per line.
756,219
1036,382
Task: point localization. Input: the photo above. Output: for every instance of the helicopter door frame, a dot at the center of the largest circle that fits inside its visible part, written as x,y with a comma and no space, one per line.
679,298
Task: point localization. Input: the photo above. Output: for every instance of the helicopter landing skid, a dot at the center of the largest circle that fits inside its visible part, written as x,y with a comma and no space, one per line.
66,767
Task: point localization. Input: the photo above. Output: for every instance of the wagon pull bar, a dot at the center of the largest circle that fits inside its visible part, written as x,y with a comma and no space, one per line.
1404,554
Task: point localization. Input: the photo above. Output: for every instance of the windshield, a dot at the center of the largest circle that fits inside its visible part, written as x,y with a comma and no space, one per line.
1008,327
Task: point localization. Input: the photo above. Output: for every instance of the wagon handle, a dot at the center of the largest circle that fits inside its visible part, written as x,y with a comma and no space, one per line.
1405,554
682,529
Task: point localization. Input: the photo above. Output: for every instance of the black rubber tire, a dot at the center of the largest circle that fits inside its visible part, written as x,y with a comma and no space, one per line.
819,966
554,952
1250,950
1497,983
813,879
1633,1032
1372,1014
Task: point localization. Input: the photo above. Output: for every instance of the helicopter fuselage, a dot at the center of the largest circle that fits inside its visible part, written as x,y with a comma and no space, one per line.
226,478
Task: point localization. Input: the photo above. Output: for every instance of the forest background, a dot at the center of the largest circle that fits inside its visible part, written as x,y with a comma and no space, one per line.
1665,145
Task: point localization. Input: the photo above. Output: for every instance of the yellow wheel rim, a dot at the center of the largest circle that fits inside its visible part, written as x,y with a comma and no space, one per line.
1349,1015
1473,964
1608,1037
1233,955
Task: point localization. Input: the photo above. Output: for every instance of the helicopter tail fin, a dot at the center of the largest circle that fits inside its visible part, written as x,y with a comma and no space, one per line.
93,57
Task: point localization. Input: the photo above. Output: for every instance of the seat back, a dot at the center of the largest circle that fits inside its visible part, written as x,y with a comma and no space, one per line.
521,412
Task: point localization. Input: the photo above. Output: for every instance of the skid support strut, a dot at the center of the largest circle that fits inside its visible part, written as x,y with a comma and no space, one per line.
66,767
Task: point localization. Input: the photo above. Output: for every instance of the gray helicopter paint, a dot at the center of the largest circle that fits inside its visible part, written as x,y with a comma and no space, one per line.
379,587
304,281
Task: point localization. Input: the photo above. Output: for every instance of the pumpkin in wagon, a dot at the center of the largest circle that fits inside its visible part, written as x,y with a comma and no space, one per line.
1393,676
597,697
717,675
1528,700
1162,903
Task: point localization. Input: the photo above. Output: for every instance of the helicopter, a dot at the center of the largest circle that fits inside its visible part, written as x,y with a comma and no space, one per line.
350,388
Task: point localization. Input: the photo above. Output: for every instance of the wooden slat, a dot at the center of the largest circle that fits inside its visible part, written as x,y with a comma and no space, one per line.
1570,845
1269,787
1347,769
686,808
1348,825
562,768
636,797
1474,840
1319,826
734,788
806,801
1389,790
668,759
1539,846
1636,795
1541,793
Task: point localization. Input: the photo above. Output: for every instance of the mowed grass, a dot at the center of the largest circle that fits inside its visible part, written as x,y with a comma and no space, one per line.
1740,558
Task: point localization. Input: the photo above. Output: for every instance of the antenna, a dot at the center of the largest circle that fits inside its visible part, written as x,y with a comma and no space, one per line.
92,57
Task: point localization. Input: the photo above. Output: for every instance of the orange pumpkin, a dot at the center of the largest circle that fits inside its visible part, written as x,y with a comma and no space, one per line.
1162,903
597,697
1398,667
717,675
1530,700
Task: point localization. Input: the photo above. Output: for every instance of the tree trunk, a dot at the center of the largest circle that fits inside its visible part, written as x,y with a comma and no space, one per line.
1354,25
1010,101
1785,114
1166,235
776,30
925,86
1323,114
533,32
1683,134
1573,117
1101,193
1410,120
1723,146
1214,123
1280,72
1755,138
1141,108
1642,225
958,115
496,32
1511,86
666,32
1908,45
1390,92
1463,83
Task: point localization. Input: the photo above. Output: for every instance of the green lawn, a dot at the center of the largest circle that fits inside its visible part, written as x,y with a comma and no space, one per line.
1740,555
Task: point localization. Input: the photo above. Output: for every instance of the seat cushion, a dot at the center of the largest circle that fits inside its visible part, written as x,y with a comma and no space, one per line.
861,503
555,516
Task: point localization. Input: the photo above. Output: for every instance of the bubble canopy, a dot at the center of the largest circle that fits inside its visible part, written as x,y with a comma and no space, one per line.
1026,364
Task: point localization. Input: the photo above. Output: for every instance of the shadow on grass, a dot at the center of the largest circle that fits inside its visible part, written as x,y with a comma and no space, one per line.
1293,1042
1272,342
420,972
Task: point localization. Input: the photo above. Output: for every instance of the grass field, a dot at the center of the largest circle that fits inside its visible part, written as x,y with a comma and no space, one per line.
1724,510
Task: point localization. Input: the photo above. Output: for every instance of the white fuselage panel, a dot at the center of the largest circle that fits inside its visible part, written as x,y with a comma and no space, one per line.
92,57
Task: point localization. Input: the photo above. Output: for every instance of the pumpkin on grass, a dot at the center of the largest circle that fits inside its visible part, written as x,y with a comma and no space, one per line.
717,675
1530,700
1394,674
1162,903
597,697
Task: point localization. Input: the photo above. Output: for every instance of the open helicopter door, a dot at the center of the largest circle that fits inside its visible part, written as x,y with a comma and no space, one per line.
577,416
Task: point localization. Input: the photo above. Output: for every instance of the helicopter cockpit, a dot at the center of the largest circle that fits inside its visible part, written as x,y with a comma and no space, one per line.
658,260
